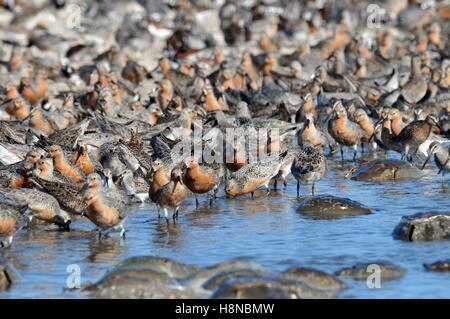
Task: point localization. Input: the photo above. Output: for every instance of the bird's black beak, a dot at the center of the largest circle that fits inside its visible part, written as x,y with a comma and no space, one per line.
63,225
66,227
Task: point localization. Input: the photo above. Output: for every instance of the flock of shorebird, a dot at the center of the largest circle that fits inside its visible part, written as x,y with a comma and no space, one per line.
93,132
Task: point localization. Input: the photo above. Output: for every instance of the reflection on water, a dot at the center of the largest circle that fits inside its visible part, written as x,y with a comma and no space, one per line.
107,250
266,229
168,235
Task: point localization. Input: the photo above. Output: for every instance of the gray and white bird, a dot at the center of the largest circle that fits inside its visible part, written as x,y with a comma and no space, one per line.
309,166
441,154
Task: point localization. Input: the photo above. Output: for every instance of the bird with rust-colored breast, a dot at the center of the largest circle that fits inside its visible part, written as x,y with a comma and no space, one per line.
344,131
201,179
106,213
172,194
254,175
65,167
16,175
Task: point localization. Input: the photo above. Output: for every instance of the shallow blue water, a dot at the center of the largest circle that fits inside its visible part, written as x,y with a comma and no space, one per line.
268,230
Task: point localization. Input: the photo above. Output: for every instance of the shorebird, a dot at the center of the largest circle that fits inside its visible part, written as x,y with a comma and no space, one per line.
306,107
20,109
11,95
34,94
107,214
211,102
84,162
41,122
45,170
15,175
158,179
414,134
309,166
310,134
133,186
366,124
65,167
68,195
397,123
95,181
66,138
11,220
172,194
386,136
344,131
39,205
284,170
416,88
253,175
201,179
441,154
165,93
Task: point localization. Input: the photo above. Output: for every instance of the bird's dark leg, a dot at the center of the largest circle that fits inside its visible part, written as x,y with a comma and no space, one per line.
298,188
211,200
253,194
275,185
362,148
342,154
196,201
312,189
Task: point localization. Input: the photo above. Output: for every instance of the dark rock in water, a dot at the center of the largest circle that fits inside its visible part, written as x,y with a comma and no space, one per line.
362,271
164,265
258,288
423,227
442,265
136,283
330,207
199,279
314,278
8,274
226,275
386,170
132,284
